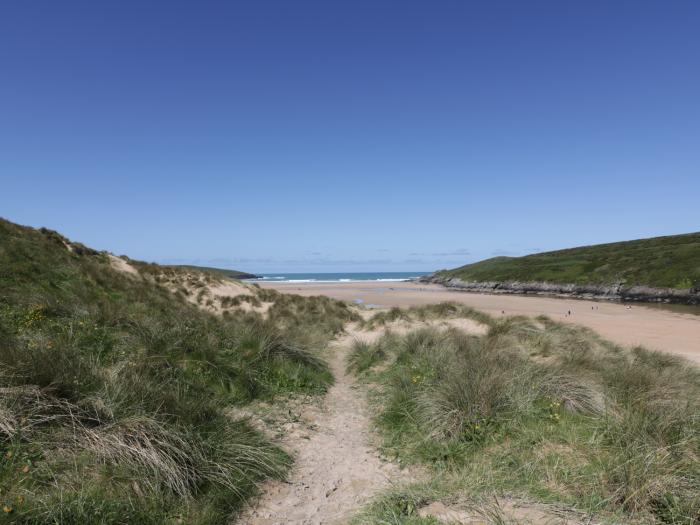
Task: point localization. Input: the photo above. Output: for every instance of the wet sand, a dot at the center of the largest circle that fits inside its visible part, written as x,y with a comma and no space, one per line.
675,330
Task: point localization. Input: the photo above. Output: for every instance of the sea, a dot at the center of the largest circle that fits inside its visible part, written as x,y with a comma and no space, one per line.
339,277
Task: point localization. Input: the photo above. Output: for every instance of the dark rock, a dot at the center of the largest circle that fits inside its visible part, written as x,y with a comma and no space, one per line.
613,292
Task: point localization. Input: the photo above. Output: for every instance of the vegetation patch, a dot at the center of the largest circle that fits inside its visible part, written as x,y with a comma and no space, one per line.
443,310
547,411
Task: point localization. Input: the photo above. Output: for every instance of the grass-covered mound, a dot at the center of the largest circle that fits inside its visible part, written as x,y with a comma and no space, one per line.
547,411
113,390
661,262
444,310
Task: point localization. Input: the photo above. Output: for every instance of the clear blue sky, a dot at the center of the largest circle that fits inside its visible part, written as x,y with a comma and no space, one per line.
359,135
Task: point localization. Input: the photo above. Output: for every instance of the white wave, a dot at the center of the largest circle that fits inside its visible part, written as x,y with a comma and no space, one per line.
283,279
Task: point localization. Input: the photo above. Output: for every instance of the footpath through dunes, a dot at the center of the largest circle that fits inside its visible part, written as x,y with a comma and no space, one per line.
675,330
336,470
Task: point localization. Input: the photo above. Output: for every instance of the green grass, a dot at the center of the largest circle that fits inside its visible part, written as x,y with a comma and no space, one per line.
544,411
663,262
443,310
363,356
113,390
297,313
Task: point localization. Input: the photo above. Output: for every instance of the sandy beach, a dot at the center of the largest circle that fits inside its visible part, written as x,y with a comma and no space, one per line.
670,330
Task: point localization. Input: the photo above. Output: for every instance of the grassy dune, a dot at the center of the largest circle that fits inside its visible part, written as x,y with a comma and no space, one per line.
114,391
662,262
537,410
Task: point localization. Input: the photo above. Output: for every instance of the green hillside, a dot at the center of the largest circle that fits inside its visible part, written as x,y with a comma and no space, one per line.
115,393
664,262
233,274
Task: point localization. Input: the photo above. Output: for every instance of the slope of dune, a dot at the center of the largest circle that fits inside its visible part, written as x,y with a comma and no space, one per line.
116,386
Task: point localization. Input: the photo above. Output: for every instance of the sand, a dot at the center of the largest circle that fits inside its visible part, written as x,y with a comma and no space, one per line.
336,468
119,264
656,328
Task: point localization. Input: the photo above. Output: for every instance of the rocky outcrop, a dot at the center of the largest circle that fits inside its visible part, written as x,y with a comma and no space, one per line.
613,292
244,276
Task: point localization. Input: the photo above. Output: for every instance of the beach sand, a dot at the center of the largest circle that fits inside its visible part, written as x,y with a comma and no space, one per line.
652,326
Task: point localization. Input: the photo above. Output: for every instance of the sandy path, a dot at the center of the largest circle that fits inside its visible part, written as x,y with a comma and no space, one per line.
336,469
656,328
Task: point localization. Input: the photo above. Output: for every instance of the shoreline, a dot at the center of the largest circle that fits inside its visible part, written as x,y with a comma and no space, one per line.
670,328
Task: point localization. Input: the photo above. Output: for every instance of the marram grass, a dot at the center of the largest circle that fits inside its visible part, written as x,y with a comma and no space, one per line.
541,410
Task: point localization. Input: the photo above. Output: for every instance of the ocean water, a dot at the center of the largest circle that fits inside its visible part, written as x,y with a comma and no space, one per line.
337,277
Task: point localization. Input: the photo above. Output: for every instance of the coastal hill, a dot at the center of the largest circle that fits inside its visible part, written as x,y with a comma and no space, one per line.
659,268
233,274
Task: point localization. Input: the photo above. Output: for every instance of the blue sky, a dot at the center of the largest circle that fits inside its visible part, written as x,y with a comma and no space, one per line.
339,136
